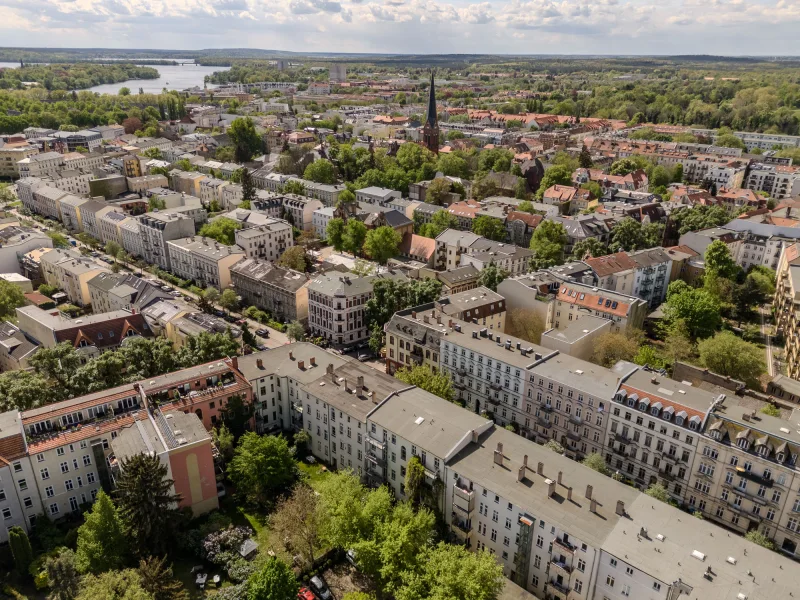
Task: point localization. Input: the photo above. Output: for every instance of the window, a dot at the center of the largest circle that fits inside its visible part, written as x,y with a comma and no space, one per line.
629,570
49,492
45,474
613,562
6,513
581,565
54,509
578,585
610,581
656,586
64,467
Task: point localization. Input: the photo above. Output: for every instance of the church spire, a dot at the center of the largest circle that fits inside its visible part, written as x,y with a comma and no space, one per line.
430,131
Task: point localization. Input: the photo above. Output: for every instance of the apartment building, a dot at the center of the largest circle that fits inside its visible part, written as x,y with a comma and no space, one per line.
211,190
655,426
72,181
90,214
156,229
299,211
787,307
46,201
320,219
336,306
745,475
456,248
265,285
139,185
69,271
71,141
584,227
328,194
779,181
46,164
561,301
480,306
109,224
722,171
15,349
377,195
130,237
20,502
116,291
16,242
11,153
203,260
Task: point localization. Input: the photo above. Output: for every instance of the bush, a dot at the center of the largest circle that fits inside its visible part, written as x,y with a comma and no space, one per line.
240,570
222,547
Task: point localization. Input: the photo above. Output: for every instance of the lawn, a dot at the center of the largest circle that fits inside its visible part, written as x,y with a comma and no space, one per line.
313,473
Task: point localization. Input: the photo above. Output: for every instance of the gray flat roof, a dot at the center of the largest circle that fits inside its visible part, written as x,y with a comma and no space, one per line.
577,329
276,361
426,420
480,296
674,391
579,374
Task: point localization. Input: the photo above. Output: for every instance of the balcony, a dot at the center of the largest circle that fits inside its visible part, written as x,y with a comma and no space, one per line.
622,439
546,407
463,498
564,545
462,529
376,459
576,420
560,567
671,458
376,443
573,435
557,591
461,371
495,386
742,472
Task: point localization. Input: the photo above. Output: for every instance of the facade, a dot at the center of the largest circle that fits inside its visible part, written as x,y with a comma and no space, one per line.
69,271
779,181
336,306
156,229
299,211
15,243
320,219
46,164
72,181
267,240
203,260
377,195
480,305
139,185
283,292
11,153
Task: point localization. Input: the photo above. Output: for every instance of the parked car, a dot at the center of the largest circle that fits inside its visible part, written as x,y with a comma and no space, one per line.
350,555
306,594
175,293
321,588
262,332
218,313
364,357
220,489
261,347
166,288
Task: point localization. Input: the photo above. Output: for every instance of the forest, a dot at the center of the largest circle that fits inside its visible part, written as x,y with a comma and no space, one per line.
78,76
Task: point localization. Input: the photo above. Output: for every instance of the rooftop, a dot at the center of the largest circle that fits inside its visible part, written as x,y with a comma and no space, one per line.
468,300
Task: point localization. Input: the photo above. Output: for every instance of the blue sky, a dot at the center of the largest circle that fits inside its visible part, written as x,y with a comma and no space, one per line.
732,27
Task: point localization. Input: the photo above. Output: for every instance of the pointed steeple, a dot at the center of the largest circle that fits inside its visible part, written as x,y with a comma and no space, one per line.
431,117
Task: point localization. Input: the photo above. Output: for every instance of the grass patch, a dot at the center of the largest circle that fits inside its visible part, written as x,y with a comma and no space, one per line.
313,474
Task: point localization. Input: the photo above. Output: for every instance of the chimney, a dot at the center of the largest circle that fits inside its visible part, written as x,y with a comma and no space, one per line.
521,472
450,323
329,368
346,389
359,390
551,487
498,455
360,381
593,506
313,361
525,461
301,364
291,355
559,477
589,492
620,508
569,494
235,363
475,436
413,314
540,468
259,363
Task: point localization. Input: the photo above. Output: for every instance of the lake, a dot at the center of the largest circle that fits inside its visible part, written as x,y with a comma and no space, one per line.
172,77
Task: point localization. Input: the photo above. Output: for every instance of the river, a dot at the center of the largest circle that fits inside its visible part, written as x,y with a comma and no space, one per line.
172,77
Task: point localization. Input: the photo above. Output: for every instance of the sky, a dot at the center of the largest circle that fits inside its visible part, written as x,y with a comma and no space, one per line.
720,27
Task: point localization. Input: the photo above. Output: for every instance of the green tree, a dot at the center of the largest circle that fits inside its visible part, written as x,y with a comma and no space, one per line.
248,339
440,221
229,300
627,235
699,217
57,365
492,276
100,373
295,331
555,175
596,462
695,308
275,581
610,348
525,324
382,243
248,188
624,166
588,247
728,355
585,158
658,491
320,171
438,384
771,410
547,242
335,234
158,581
245,139
345,197
730,141
146,504
489,227
554,446
11,298
261,465
526,206
23,390
297,521
102,541
205,347
355,233
389,296
113,585
452,165
438,190
62,576
221,229
755,536
224,441
294,187
20,549
453,571
415,477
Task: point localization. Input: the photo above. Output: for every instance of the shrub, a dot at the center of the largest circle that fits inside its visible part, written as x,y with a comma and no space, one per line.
221,547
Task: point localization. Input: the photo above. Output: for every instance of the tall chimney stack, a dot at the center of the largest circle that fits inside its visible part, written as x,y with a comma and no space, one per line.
540,468
551,487
593,506
525,461
498,455
559,477
569,493
521,473
589,492
620,508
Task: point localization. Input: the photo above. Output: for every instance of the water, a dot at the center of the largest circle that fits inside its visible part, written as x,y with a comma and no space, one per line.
172,77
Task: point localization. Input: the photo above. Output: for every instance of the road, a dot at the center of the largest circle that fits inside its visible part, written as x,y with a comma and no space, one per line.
275,339
768,340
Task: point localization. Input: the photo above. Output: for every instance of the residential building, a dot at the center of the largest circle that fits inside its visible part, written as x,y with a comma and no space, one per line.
583,227
520,226
46,201
508,257
11,153
71,213
156,229
70,272
139,185
481,306
91,213
300,211
211,190
186,182
15,348
377,195
114,291
261,236
71,141
203,260
130,236
336,306
560,196
578,339
72,181
46,164
458,280
418,248
109,226
265,285
745,474
779,181
320,218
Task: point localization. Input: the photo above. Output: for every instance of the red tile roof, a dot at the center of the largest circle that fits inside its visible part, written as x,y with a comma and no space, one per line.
529,219
590,301
104,334
677,406
613,263
559,193
417,246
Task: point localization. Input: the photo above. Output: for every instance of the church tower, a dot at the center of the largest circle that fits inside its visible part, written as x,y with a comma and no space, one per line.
430,131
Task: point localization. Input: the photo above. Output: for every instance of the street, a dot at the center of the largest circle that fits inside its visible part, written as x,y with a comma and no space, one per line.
768,342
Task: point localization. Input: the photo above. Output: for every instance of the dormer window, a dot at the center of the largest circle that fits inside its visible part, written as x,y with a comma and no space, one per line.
715,435
780,457
763,451
693,427
630,402
654,411
743,443
679,421
642,406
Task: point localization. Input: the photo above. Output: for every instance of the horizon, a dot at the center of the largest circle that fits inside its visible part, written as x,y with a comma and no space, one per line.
454,27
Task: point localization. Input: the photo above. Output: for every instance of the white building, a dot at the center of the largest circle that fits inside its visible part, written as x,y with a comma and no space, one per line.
203,260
